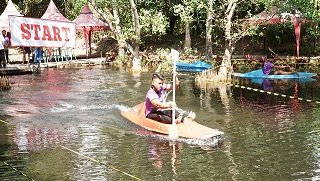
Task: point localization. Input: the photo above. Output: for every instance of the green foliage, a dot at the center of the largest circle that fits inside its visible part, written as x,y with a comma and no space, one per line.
121,61
153,22
278,33
164,57
190,51
163,53
186,10
309,9
76,10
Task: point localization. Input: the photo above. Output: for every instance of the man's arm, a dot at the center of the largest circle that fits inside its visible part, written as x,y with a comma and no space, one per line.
161,105
281,67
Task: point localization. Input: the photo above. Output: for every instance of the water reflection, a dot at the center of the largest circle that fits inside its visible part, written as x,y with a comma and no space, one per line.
137,77
90,140
32,96
262,119
32,138
224,93
268,137
158,150
274,112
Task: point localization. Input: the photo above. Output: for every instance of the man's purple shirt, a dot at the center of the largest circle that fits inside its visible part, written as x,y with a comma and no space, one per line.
267,67
151,94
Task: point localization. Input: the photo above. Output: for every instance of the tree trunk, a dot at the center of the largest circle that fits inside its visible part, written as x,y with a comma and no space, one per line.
187,41
113,21
136,25
226,69
118,33
209,31
172,23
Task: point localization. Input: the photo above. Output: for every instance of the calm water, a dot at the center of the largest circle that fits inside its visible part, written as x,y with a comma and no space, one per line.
267,137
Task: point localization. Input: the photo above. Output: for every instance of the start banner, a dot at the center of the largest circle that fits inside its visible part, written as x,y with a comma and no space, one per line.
33,32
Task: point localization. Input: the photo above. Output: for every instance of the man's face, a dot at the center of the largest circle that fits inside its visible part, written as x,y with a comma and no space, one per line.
4,32
157,83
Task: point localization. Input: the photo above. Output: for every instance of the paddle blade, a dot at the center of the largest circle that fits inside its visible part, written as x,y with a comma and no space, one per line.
174,54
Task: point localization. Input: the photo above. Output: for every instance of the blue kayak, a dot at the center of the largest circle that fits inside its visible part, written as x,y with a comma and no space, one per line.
300,80
259,74
197,66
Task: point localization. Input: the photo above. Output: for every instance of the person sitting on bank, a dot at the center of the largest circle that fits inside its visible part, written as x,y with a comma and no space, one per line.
268,67
156,106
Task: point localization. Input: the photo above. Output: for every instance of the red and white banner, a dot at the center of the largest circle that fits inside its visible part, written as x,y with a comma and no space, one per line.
33,32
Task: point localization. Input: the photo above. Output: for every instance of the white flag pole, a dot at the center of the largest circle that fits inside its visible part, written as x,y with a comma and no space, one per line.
173,130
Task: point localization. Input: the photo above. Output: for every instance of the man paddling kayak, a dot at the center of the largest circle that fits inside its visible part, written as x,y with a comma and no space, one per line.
268,67
156,106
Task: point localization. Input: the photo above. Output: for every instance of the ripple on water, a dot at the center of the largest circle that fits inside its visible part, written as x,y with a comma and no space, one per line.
64,107
107,107
210,143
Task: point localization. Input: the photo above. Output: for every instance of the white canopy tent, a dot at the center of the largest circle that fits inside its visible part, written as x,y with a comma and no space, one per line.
9,10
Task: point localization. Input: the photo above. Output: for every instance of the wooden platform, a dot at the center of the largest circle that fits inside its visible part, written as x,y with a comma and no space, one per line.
17,68
74,63
15,71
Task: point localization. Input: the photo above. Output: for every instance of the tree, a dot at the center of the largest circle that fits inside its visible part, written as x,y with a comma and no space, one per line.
109,11
186,11
226,67
68,8
229,18
209,29
126,27
136,25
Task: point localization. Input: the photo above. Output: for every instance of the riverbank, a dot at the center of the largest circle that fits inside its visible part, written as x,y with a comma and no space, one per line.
240,62
16,66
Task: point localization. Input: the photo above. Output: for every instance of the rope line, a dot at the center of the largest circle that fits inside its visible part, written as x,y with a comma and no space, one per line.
11,165
109,166
18,170
262,91
97,161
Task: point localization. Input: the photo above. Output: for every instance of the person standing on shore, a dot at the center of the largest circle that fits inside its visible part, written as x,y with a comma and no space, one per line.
26,55
6,45
2,55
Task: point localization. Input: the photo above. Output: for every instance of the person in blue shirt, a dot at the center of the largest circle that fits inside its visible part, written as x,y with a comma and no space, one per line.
38,55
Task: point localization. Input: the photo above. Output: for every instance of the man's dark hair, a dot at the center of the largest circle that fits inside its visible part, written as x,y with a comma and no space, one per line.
270,55
157,76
